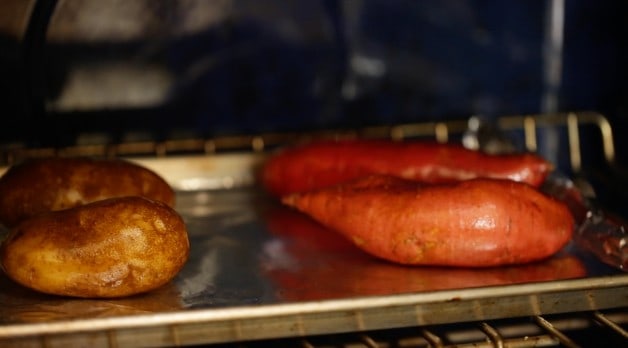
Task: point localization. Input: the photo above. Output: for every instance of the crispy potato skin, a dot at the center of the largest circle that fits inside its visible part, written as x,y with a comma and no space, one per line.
473,223
51,184
110,248
323,163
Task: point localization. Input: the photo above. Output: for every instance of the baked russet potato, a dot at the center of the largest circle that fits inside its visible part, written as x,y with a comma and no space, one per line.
110,248
49,184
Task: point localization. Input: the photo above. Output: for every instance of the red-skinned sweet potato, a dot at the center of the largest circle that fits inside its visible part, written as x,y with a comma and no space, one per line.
473,223
316,263
324,163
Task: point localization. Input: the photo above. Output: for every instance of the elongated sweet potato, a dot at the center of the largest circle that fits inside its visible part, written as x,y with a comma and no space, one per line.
323,163
50,184
474,223
306,258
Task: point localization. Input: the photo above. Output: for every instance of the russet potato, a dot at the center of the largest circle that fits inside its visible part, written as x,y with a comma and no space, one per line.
49,184
109,248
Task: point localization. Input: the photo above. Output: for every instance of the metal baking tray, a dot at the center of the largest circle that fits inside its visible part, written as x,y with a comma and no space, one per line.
259,270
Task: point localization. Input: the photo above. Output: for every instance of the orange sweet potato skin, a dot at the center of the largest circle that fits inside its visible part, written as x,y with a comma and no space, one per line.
316,254
473,223
324,163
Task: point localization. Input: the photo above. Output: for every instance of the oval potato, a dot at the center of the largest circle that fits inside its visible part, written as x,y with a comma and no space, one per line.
56,183
110,248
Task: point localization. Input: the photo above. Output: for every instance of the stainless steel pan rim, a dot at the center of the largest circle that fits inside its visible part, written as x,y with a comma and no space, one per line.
551,290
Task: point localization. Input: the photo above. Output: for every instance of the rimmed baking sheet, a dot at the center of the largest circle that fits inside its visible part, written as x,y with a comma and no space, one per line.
260,270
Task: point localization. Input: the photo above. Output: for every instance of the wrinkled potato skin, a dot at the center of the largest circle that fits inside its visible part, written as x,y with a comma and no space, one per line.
49,184
110,248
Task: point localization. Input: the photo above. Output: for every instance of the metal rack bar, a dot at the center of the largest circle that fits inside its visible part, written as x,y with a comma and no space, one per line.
564,340
548,331
434,340
603,319
493,335
440,131
368,341
525,332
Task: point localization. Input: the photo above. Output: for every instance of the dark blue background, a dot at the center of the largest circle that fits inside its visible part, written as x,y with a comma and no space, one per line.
438,60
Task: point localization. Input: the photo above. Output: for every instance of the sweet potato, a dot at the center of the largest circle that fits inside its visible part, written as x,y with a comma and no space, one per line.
323,163
50,184
474,223
305,263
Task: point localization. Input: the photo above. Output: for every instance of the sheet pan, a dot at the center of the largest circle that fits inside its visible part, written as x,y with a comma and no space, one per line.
260,270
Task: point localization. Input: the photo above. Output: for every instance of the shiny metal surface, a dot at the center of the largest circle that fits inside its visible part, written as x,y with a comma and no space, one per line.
259,270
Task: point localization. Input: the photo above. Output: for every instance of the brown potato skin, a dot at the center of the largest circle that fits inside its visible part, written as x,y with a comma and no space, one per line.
49,184
111,248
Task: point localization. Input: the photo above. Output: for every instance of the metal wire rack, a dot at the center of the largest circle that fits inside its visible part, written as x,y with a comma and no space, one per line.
441,131
582,329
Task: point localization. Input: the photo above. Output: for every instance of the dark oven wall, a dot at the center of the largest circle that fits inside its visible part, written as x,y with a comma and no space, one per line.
125,70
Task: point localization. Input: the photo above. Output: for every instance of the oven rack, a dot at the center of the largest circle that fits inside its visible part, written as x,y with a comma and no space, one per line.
581,329
550,316
529,125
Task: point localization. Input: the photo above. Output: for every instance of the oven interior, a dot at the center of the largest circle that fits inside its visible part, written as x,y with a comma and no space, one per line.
164,79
